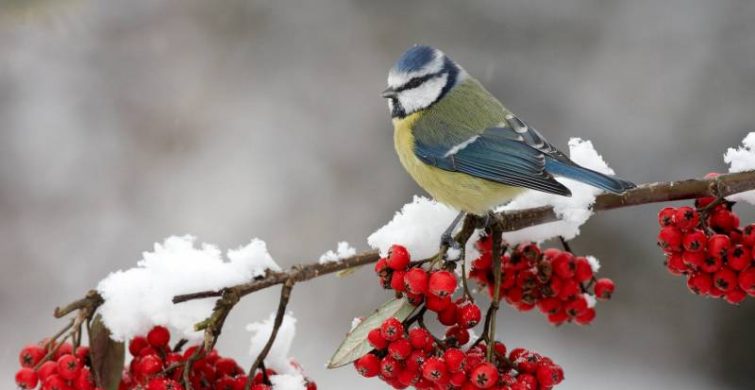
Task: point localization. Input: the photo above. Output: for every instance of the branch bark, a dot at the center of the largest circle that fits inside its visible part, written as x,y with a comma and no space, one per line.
720,186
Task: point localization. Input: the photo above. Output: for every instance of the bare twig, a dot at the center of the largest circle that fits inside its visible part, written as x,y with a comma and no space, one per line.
496,299
285,295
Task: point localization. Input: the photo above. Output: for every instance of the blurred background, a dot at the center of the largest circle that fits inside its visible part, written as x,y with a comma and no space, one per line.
122,123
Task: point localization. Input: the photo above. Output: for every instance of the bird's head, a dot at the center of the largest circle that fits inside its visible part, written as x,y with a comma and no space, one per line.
420,77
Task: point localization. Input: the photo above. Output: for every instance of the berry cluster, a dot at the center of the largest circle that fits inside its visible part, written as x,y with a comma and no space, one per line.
155,366
557,282
705,244
404,358
54,367
434,288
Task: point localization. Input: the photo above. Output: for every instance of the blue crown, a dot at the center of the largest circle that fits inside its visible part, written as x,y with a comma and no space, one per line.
414,59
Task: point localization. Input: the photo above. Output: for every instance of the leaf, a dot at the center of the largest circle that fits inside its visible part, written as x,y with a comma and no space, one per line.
356,345
107,355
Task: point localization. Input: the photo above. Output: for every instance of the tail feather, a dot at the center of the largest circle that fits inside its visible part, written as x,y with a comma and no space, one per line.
588,176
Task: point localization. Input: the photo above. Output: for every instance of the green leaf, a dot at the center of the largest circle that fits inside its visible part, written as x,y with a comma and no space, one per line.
107,355
356,345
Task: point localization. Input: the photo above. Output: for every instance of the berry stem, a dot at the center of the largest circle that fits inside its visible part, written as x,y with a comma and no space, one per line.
496,231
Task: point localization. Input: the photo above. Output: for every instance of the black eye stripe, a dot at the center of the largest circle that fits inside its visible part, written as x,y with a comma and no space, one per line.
417,81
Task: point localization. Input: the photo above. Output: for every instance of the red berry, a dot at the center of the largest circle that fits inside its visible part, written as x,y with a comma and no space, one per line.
26,378
549,305
694,260
392,329
368,365
170,384
64,349
724,220
454,359
400,349
416,360
69,367
85,380
47,369
604,288
227,367
583,271
686,218
82,353
738,258
718,245
586,317
459,334
735,296
468,315
31,355
711,264
747,281
576,306
55,382
725,279
564,265
700,283
159,336
415,281
670,239
397,281
407,377
448,316
694,240
398,258
376,339
666,216
484,375
434,370
442,283
748,235
437,304
569,289
420,338
558,317
137,344
151,364
389,367
675,263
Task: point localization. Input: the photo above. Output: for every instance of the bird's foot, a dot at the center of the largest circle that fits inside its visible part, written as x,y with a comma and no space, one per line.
447,243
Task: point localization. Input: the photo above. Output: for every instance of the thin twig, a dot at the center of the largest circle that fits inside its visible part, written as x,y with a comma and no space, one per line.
496,299
285,296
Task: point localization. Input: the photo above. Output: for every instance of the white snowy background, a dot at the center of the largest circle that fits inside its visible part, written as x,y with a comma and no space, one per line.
123,123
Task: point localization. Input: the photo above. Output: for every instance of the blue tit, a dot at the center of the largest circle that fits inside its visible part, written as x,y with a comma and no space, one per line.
463,147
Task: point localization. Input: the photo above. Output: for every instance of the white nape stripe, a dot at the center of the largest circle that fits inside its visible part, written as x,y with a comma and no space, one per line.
457,148
397,79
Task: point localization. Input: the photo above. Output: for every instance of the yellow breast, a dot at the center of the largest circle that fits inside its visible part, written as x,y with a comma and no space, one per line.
458,190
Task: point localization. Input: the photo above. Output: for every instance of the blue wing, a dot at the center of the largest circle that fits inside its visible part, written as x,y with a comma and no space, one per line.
499,154
514,154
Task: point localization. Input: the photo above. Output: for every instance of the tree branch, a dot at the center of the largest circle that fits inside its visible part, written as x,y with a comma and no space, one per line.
720,186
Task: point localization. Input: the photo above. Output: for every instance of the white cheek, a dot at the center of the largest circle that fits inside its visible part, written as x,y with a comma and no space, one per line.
390,105
423,96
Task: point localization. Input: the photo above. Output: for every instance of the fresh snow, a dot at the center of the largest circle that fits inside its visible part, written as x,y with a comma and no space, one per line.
277,358
343,251
141,297
742,159
572,211
418,227
594,263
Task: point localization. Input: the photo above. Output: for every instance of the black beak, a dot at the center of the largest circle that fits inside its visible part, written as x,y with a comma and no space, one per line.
389,93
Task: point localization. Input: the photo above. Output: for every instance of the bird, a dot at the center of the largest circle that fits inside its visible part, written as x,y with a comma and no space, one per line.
463,147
